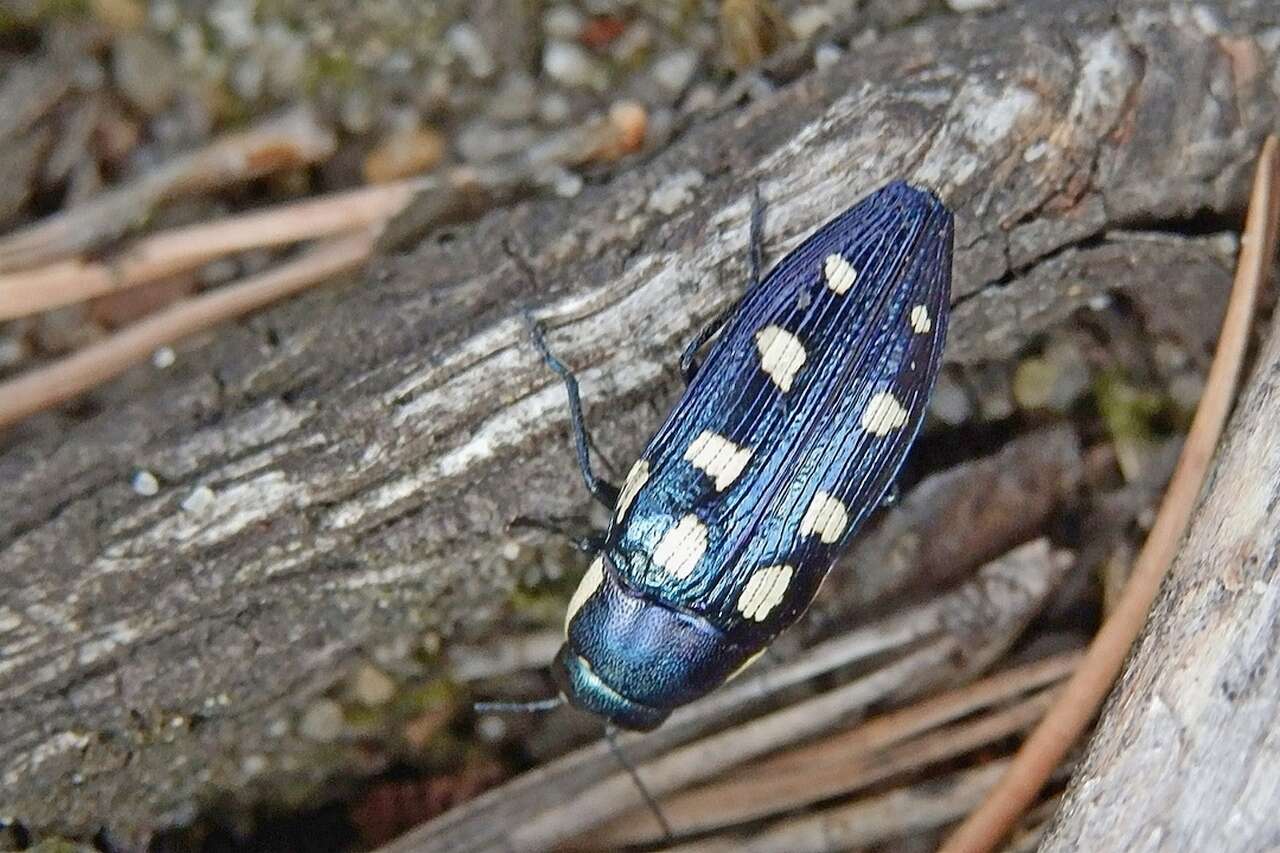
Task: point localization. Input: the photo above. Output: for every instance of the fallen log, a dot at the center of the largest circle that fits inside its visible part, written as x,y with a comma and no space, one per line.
337,473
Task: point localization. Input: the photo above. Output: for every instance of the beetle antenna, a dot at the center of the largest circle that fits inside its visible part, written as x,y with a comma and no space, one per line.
611,736
532,707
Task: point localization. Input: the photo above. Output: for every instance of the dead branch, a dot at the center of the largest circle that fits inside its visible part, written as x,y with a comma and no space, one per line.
876,820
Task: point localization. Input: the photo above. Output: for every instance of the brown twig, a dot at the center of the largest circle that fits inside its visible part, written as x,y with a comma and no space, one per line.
293,139
44,387
864,823
728,748
176,250
853,759
1083,694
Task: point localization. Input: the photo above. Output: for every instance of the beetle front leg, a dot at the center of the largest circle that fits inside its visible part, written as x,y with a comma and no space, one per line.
601,489
755,261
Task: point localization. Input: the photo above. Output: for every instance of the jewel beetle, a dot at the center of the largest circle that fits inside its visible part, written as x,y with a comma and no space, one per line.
788,435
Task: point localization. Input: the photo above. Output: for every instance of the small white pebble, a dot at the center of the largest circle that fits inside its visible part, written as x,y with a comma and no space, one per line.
491,728
322,721
806,22
233,21
254,765
1035,151
199,500
567,184
826,54
675,192
164,15
674,71
371,686
247,78
633,43
468,45
702,96
145,483
553,570
571,65
562,22
1100,302
163,358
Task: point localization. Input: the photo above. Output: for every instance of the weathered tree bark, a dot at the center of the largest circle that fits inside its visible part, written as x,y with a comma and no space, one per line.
363,448
1187,753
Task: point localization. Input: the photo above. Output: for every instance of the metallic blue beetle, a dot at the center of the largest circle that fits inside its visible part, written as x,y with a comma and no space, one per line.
787,437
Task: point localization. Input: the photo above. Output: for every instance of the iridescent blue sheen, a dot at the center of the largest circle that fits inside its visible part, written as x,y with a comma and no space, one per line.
649,639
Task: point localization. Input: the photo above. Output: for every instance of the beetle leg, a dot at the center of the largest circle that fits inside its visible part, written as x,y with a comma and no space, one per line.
600,488
688,359
755,249
611,736
589,544
755,260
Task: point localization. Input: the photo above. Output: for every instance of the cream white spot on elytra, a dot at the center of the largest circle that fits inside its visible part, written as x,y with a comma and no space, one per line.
764,591
840,274
781,355
682,547
884,414
638,476
826,516
920,320
591,581
718,457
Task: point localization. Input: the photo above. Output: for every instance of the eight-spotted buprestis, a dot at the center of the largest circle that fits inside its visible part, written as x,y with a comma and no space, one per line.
786,439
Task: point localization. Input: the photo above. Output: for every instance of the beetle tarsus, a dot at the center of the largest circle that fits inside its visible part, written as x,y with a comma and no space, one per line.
589,544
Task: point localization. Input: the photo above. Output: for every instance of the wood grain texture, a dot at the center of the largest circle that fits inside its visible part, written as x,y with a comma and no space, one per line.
1186,755
360,444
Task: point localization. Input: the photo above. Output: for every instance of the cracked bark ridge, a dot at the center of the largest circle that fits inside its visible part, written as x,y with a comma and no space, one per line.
335,473
1187,754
